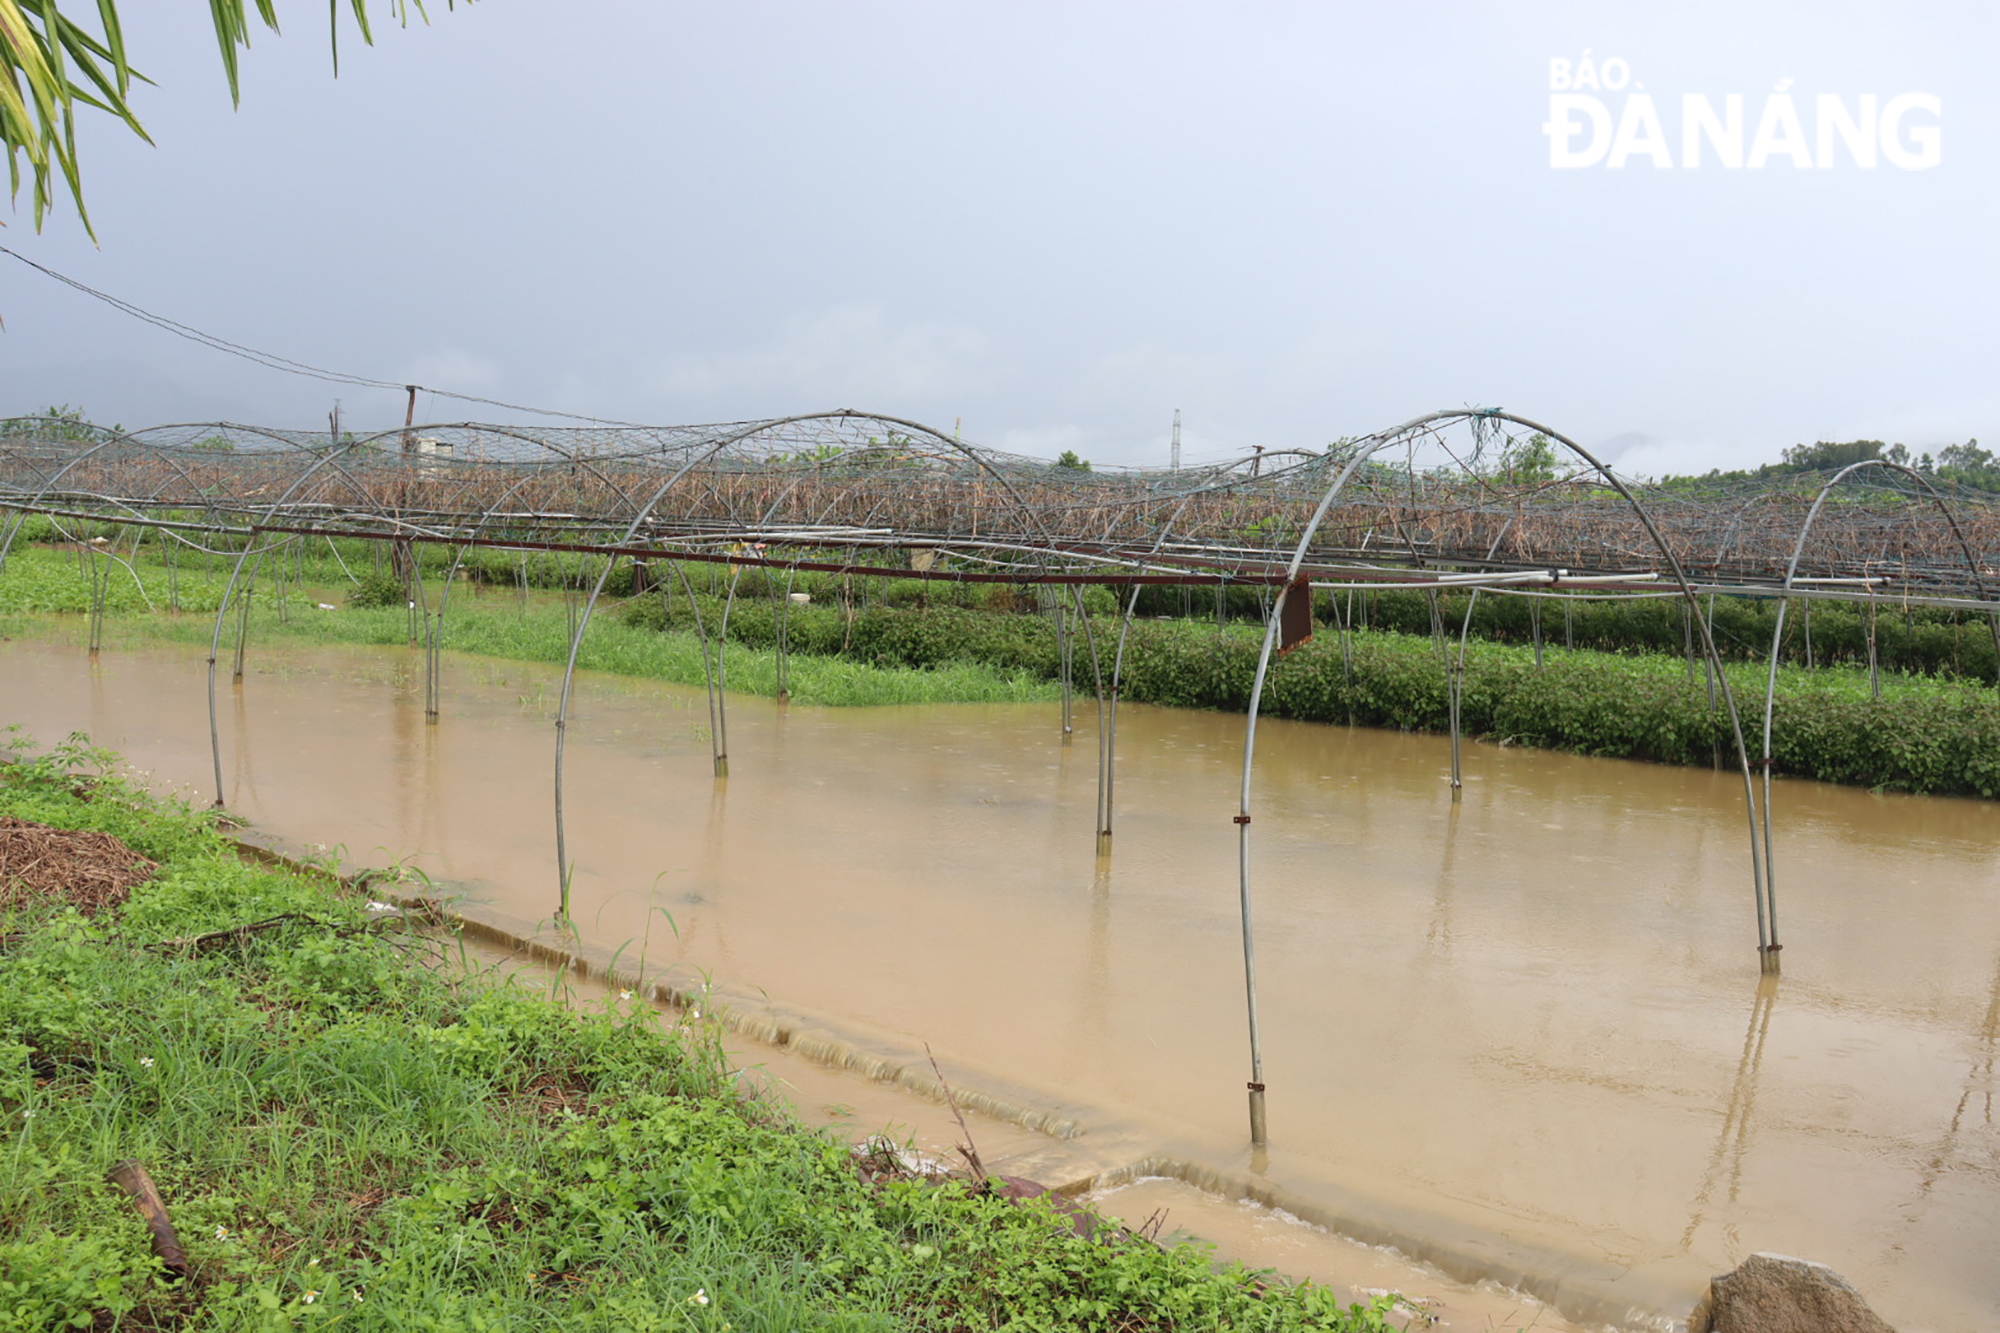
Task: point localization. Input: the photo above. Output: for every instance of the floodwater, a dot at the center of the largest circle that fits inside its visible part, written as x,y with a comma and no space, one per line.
1527,1025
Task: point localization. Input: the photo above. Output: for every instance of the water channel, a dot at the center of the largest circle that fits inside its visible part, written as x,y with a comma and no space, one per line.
1532,1019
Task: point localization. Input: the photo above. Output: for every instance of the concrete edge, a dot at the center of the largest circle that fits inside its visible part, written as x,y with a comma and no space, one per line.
1581,1290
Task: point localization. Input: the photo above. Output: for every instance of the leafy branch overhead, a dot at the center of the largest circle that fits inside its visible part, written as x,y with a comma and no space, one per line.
50,65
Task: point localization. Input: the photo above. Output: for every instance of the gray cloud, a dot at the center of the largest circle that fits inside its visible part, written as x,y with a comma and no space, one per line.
1058,223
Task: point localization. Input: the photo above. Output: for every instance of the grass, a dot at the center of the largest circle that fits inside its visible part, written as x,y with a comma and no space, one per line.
42,595
346,1133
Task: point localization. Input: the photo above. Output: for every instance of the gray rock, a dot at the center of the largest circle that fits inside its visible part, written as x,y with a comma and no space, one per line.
1775,1293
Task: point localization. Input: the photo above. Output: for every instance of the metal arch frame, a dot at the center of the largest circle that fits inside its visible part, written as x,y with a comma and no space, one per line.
1370,446
562,456
697,456
235,576
1107,526
434,629
1778,639
1218,478
49,481
20,513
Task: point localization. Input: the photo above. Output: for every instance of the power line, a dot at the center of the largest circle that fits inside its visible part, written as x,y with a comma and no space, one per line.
272,361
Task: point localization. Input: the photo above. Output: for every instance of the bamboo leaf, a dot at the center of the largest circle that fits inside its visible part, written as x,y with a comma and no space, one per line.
49,64
84,51
228,19
114,38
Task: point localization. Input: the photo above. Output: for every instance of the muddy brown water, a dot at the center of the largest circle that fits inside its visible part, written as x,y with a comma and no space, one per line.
1534,1017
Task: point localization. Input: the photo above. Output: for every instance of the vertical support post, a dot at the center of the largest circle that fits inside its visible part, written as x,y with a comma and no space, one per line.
722,677
243,611
434,637
783,637
1259,1131
1768,946
715,750
403,557
570,589
1708,667
1456,682
1106,720
1455,671
1347,645
280,576
214,651
99,564
1065,660
1687,635
1874,675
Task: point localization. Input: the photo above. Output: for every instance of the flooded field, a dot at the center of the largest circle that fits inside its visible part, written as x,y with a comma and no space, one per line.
1529,1025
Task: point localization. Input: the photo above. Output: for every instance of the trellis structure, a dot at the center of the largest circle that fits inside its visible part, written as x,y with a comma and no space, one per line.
1437,503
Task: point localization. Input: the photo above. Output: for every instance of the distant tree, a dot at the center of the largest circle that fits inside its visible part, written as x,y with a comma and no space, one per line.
1529,462
1961,464
1968,457
1070,460
57,422
1825,457
1969,465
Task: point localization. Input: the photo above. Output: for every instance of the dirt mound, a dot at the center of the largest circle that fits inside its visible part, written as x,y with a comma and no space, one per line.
88,871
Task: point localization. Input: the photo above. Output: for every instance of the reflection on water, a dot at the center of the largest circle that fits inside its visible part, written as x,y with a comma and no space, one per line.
1535,1015
1733,1140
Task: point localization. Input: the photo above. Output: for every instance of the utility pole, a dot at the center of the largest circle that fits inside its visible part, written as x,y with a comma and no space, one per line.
1176,465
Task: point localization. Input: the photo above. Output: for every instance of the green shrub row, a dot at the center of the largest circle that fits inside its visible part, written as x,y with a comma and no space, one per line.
1918,736
1917,640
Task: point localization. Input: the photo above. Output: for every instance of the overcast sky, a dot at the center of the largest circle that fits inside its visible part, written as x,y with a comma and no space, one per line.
1056,222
